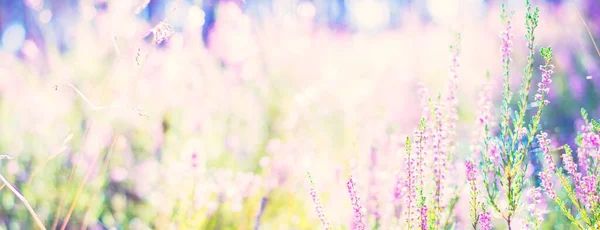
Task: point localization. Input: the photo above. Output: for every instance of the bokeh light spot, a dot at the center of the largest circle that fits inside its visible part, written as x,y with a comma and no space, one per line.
45,16
196,17
13,37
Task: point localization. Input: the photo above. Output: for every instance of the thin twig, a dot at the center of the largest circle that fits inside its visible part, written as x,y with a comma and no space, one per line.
103,171
14,191
80,189
93,107
64,189
588,31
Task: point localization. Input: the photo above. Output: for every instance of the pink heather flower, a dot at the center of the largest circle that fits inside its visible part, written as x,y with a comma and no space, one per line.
588,189
471,171
589,147
506,38
411,193
439,157
589,184
358,212
494,151
318,206
571,168
591,139
423,217
485,221
545,147
569,164
546,179
536,216
420,140
547,71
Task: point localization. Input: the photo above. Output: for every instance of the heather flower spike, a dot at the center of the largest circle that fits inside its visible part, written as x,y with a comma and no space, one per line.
535,217
471,172
516,134
358,223
317,203
485,221
410,186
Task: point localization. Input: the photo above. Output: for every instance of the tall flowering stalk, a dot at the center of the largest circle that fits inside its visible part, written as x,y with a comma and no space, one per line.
471,171
479,142
506,37
445,118
516,134
490,160
420,140
410,186
451,104
439,164
358,223
317,202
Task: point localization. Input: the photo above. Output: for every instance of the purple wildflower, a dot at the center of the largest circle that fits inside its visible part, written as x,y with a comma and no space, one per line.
545,147
485,221
494,152
569,164
535,216
423,217
547,71
571,168
358,213
506,38
411,193
420,140
590,142
589,184
588,189
318,206
439,158
471,171
547,184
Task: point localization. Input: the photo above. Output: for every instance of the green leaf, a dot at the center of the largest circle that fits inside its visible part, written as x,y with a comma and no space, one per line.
584,115
546,53
596,125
